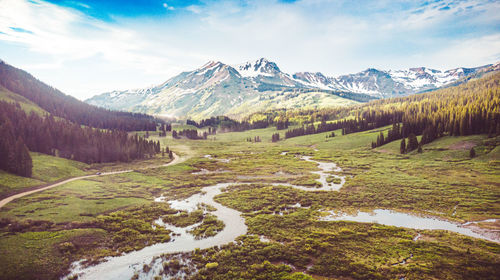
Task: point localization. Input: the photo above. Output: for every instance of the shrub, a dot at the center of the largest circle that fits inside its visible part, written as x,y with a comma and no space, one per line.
211,265
472,153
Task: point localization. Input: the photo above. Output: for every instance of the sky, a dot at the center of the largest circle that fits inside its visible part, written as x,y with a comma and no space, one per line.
86,48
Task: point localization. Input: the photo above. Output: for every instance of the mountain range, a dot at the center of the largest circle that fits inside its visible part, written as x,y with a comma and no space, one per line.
239,90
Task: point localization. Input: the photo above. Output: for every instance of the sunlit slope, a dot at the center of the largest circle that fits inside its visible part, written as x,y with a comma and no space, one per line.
46,169
212,103
27,105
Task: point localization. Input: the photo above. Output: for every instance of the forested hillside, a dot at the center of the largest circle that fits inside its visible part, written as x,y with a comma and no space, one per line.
67,107
471,108
38,118
62,138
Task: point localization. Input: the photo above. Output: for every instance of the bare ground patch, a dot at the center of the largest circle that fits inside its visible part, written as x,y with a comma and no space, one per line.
463,145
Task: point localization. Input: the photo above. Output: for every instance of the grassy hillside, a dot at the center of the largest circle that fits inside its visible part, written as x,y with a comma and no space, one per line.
27,105
287,100
67,107
46,169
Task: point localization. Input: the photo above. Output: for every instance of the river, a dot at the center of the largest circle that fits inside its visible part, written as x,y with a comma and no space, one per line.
124,266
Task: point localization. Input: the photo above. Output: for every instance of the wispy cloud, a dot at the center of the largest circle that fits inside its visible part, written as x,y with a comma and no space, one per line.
194,9
334,37
64,35
166,6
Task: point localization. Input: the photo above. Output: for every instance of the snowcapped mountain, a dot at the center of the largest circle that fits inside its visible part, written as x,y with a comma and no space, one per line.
263,71
389,83
259,67
220,89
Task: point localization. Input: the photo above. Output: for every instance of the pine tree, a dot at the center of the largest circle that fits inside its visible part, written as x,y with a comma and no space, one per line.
25,161
402,148
412,143
472,153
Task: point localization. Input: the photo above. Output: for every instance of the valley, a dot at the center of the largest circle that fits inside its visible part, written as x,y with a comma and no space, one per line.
396,188
249,140
280,238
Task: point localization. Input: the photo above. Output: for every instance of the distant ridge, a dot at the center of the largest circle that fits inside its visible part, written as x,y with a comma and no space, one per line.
64,106
220,89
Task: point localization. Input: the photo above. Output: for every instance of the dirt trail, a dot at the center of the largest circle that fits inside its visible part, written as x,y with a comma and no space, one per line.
4,201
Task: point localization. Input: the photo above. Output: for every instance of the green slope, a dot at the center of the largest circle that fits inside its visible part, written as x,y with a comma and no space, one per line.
46,169
27,105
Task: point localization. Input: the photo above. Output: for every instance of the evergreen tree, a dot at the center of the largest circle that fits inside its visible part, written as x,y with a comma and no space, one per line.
402,147
23,159
472,153
412,143
275,137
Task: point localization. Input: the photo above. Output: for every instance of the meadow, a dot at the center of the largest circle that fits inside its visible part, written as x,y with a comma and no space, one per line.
107,215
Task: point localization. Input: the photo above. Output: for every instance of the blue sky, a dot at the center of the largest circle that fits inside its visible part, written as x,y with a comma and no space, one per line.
89,47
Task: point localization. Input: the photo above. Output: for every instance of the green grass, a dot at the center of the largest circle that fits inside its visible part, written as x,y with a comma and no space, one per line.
46,169
38,255
49,168
380,177
345,250
11,183
184,126
27,105
435,182
289,100
79,201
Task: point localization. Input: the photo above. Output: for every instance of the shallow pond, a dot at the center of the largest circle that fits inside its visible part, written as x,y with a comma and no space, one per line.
393,218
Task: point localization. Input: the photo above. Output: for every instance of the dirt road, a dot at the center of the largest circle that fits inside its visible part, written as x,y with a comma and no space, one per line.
4,201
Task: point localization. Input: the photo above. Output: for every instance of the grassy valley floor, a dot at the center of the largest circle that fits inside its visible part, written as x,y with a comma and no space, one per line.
107,215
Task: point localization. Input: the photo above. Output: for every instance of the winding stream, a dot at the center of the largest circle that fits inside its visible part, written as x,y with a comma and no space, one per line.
124,266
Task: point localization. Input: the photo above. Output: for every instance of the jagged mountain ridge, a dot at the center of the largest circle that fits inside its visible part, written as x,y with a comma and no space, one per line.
220,89
389,83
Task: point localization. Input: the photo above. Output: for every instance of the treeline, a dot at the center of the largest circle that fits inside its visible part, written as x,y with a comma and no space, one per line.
226,124
282,124
471,108
190,134
393,134
255,139
275,137
163,129
67,107
62,138
312,129
14,155
282,118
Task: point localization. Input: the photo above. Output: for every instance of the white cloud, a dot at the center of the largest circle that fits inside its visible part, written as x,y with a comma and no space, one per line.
315,35
63,35
194,9
166,6
468,53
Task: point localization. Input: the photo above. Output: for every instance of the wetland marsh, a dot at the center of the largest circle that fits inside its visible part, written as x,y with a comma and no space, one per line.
212,209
